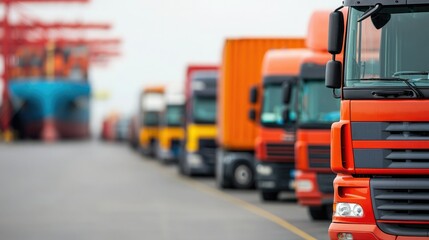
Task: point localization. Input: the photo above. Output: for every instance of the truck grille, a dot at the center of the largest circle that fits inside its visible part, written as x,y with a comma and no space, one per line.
407,131
408,159
284,171
319,156
175,143
390,130
401,205
175,146
391,158
207,149
325,182
280,151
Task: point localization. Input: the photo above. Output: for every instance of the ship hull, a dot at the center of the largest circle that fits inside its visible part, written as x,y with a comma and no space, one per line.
50,110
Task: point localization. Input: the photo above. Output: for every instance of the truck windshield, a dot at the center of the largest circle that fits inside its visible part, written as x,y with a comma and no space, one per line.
174,115
392,55
150,119
317,108
204,110
273,106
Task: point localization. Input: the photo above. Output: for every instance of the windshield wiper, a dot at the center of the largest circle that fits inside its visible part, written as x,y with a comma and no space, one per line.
410,73
415,90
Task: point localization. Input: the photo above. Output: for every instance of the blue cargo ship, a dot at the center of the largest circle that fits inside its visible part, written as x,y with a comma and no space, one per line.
50,93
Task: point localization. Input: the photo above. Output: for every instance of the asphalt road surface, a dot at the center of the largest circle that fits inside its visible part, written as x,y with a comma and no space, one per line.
93,190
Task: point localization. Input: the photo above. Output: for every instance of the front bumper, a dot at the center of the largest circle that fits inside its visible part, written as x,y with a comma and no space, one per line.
311,190
362,232
198,163
167,154
275,177
170,154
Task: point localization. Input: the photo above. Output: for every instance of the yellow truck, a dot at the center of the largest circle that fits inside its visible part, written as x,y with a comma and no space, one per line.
171,128
151,104
198,151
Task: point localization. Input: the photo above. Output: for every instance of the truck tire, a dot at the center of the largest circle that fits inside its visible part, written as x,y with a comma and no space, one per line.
180,160
221,183
152,149
141,151
180,166
185,169
163,161
329,211
318,213
157,148
269,196
242,176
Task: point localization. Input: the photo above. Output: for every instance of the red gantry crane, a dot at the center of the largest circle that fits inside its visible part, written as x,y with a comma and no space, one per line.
37,34
20,34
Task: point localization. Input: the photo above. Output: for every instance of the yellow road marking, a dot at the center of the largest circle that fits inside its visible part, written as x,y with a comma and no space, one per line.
245,205
249,207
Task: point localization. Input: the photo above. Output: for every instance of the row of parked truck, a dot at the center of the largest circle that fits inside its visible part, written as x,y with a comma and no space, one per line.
261,118
264,118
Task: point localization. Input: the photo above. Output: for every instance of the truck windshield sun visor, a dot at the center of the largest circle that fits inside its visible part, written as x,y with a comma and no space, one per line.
355,3
377,18
209,93
279,79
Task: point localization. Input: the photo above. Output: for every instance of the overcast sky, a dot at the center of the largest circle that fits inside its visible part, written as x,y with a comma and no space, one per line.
160,37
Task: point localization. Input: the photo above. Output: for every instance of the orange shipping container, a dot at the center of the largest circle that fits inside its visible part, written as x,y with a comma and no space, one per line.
241,69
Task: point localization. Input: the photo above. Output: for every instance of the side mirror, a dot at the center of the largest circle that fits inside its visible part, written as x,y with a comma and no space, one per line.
252,115
336,32
253,94
287,92
333,74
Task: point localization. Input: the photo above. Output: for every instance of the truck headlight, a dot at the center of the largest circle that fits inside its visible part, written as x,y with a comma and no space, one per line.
304,186
348,210
194,159
264,170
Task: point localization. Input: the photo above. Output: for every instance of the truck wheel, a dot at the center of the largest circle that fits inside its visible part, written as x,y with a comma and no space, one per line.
242,176
164,161
186,170
180,161
152,149
220,182
329,211
323,212
158,151
142,151
269,196
180,166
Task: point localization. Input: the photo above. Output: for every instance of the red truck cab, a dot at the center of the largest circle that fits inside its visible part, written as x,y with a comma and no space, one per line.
275,138
316,111
380,146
